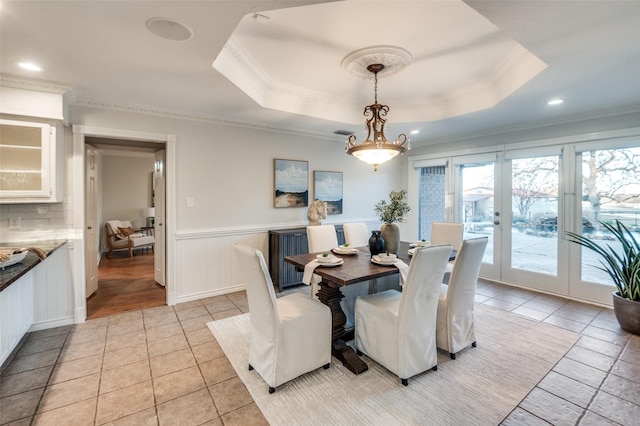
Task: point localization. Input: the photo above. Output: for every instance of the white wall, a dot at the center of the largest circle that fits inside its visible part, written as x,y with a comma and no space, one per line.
228,172
126,187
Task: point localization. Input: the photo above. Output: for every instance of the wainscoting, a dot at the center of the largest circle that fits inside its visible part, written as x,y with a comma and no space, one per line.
205,263
40,299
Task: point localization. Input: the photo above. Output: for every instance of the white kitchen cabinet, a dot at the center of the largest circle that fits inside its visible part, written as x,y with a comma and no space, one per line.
31,162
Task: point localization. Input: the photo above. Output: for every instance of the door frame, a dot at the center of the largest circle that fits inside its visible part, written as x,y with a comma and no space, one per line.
80,132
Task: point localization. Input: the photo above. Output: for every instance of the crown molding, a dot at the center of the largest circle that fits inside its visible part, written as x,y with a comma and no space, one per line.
542,124
18,82
178,115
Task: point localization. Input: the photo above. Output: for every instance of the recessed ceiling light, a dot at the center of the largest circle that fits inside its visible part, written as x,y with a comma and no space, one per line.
169,29
415,132
555,102
30,66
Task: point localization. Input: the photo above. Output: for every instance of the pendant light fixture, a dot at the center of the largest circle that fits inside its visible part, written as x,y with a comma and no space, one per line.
376,149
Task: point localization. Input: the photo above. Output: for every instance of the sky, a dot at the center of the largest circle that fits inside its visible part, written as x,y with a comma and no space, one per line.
292,176
328,186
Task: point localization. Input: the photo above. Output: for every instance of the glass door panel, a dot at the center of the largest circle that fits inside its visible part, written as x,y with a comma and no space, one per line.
476,201
610,191
534,214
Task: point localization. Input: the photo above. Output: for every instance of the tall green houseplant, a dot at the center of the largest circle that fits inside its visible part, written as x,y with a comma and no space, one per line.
623,266
389,213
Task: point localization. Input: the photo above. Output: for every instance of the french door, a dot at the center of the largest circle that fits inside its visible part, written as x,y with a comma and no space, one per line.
524,200
476,199
533,253
515,199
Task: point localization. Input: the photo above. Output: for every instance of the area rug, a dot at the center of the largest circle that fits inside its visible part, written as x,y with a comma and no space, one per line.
481,387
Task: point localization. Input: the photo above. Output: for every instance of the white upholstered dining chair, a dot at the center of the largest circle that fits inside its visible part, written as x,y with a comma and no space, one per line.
398,329
447,233
324,238
320,238
455,328
356,234
290,335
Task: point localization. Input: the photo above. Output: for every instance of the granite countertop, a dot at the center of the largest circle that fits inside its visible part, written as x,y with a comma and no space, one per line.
10,274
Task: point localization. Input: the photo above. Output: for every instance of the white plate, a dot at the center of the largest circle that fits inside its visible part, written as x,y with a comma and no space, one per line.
330,264
329,258
425,244
377,261
346,251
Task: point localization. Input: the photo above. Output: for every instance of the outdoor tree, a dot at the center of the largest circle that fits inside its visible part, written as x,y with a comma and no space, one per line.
610,177
533,179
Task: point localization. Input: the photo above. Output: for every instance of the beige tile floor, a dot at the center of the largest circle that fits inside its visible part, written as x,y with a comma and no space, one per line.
163,366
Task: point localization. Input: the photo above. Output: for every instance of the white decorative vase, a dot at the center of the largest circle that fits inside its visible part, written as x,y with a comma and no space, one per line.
391,235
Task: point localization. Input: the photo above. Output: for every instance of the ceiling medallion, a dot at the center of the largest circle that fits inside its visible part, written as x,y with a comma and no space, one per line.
394,59
376,149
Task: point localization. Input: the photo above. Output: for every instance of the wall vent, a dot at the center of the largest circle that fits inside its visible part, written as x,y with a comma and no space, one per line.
343,132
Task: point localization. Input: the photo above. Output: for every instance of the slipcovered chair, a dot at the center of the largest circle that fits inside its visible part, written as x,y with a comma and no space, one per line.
121,236
455,329
324,238
290,335
398,329
356,234
320,238
447,233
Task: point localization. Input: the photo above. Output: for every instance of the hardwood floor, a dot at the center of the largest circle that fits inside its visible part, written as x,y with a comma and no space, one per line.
125,284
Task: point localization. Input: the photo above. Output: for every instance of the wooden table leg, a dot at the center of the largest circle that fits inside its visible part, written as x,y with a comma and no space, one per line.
331,296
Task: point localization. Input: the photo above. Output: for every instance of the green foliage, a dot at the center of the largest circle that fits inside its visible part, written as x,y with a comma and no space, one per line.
623,268
394,210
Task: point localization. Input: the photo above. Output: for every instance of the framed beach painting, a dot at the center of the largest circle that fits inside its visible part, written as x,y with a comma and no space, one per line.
327,186
291,181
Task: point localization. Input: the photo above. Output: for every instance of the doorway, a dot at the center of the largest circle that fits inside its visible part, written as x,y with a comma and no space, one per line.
123,183
81,225
125,284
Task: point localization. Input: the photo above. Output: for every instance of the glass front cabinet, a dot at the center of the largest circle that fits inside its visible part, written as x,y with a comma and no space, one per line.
30,162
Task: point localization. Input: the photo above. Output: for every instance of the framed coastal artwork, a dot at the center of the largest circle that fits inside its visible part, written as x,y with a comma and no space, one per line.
291,182
327,186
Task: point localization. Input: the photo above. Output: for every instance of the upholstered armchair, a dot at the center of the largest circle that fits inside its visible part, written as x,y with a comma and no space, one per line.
455,329
398,329
290,335
121,236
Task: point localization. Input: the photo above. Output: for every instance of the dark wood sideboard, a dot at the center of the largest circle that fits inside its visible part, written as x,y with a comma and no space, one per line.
289,242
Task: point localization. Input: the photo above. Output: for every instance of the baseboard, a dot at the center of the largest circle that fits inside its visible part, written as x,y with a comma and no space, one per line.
44,325
212,293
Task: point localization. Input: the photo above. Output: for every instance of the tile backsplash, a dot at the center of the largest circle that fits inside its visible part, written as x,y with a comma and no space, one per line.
43,221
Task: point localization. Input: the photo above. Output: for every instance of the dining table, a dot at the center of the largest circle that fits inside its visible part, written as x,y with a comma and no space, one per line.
356,267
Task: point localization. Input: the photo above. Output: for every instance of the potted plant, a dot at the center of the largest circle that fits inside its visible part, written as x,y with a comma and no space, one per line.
389,213
623,266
